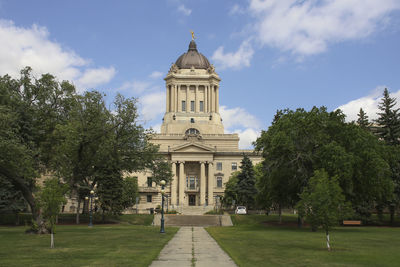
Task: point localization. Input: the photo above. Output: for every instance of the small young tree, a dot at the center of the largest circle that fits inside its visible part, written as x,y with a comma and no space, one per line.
130,191
322,202
230,193
51,198
246,185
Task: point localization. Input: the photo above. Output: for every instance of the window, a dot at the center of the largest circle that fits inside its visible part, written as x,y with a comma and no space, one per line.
219,166
201,106
192,106
149,181
183,105
219,181
192,131
149,198
234,166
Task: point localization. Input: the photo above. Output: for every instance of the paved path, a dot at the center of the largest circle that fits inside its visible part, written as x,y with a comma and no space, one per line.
192,246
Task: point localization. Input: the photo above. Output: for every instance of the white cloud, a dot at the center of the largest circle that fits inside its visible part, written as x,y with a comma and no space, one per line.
136,86
184,10
240,58
93,77
247,137
21,47
238,120
156,74
308,27
152,105
368,103
238,117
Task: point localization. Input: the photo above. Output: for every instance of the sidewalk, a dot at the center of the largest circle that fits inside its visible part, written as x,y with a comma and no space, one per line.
192,246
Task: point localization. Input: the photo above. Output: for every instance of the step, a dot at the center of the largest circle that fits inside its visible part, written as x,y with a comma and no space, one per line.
192,220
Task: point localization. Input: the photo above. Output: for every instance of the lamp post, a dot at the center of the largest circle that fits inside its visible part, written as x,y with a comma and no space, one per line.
162,231
91,199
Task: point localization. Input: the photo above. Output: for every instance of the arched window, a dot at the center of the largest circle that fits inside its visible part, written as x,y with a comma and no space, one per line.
192,131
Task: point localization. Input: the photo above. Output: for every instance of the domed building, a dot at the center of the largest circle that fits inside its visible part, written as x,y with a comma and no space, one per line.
192,138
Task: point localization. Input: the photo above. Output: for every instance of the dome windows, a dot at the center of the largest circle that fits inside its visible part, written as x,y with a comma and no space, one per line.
192,131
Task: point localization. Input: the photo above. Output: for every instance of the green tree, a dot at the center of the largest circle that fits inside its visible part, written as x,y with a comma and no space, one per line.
11,200
362,120
245,188
230,193
322,202
388,120
300,142
162,170
30,110
130,191
51,198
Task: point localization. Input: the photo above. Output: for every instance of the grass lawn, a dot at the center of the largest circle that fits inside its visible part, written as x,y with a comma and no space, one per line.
256,241
78,245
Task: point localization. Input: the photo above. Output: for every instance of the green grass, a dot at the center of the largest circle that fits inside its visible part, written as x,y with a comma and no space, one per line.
251,242
102,245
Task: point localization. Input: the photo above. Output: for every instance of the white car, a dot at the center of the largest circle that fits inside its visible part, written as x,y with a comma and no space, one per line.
240,210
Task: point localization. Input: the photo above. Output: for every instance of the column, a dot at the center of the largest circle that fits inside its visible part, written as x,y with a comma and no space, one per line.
168,100
187,98
202,183
212,99
217,100
179,108
173,184
196,99
205,98
182,180
210,184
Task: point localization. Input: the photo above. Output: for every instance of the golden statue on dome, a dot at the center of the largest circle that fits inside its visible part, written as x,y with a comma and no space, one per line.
192,35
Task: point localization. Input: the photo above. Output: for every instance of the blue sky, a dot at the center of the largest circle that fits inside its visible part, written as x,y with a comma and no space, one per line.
270,55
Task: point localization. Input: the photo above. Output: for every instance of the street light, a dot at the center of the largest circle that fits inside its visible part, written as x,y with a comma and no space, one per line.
162,206
92,198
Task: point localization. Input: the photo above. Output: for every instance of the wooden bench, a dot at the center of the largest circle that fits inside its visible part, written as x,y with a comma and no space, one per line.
346,223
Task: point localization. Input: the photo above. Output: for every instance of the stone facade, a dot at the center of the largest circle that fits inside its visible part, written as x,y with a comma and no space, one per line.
192,138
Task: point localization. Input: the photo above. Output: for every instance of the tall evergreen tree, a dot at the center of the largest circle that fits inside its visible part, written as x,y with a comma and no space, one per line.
362,120
246,185
388,119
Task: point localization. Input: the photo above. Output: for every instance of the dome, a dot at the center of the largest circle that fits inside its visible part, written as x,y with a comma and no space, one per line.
192,58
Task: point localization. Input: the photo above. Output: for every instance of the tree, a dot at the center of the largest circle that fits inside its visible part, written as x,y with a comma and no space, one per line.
388,120
230,193
245,189
362,120
30,110
322,202
300,142
130,191
98,145
162,170
51,198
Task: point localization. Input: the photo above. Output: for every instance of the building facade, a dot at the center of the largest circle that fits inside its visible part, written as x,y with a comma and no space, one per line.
192,138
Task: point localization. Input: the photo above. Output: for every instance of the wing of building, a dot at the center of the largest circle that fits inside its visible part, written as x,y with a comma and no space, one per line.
192,138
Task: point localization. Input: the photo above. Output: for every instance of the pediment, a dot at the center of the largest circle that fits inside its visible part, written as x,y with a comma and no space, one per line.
192,147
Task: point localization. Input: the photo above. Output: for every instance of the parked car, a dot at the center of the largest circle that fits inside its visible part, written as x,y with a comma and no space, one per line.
240,210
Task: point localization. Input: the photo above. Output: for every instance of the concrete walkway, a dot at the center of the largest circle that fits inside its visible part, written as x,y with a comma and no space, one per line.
192,246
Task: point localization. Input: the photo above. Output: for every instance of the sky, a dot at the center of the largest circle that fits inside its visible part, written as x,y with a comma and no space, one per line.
270,55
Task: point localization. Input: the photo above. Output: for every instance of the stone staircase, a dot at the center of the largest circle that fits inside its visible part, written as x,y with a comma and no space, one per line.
193,220
194,210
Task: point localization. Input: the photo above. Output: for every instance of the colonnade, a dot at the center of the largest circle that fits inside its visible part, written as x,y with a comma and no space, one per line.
178,183
210,98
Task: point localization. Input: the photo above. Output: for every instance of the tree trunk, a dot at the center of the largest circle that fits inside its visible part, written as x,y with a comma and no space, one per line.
379,210
103,217
327,241
77,210
20,183
52,239
299,221
280,213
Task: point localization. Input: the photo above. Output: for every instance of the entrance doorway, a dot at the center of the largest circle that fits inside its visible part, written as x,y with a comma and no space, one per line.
192,200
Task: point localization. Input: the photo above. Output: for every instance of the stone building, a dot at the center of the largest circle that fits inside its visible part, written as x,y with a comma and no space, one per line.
192,138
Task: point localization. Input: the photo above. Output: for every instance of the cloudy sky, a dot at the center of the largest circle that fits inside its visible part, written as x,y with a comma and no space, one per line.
271,54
